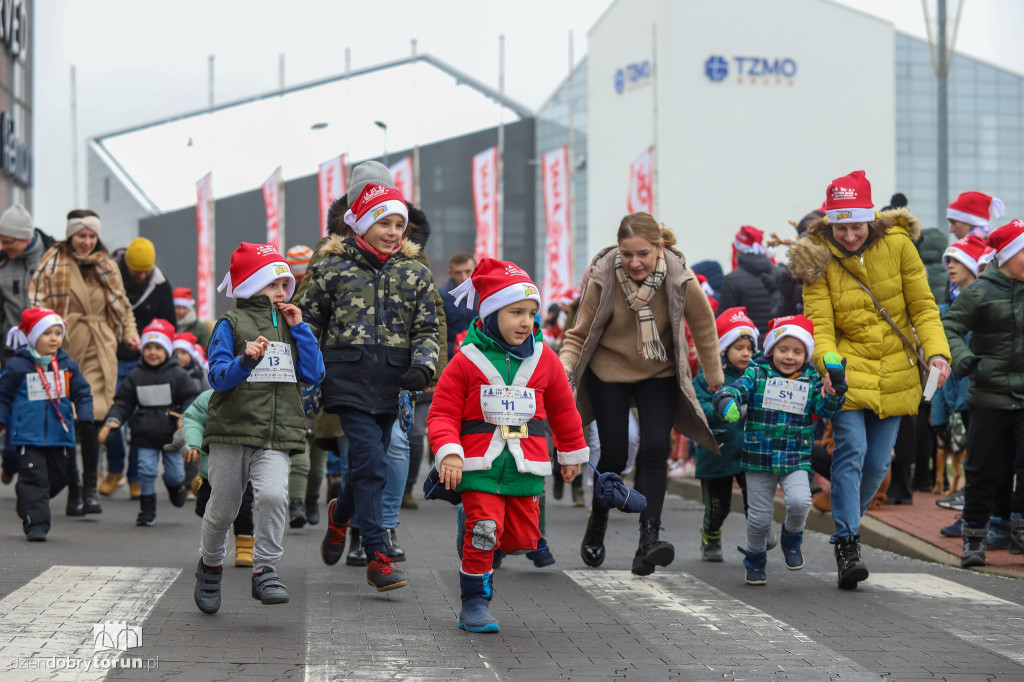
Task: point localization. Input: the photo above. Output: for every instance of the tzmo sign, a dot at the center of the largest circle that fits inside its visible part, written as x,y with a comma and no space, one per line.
632,75
14,26
717,68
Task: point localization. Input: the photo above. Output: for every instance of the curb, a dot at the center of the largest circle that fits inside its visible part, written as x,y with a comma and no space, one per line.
873,532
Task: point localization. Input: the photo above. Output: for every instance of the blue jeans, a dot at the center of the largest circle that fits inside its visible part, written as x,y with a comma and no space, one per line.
115,442
859,463
369,436
398,472
149,467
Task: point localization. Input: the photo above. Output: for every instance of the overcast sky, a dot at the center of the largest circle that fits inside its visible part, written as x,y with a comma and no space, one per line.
144,61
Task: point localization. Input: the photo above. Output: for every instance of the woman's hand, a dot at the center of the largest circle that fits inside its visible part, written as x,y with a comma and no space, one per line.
132,342
451,471
192,456
570,472
105,431
292,314
715,389
943,367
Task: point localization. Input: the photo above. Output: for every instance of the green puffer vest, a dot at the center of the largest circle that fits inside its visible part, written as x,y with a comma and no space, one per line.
260,414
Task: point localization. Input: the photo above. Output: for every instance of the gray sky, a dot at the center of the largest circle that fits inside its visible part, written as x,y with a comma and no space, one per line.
144,61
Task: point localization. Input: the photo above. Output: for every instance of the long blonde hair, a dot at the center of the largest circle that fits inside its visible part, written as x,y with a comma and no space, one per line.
644,225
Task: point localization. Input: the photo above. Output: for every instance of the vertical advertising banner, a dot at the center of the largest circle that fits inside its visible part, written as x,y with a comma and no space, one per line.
205,236
485,203
558,246
402,173
332,185
272,200
641,189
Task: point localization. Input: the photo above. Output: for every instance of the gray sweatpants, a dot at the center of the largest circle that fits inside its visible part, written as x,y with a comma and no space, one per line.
231,467
796,490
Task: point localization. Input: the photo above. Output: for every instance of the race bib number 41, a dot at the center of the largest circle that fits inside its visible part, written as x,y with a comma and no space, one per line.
787,395
276,365
507,405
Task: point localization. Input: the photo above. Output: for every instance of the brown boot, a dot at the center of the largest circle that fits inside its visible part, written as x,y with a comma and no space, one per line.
822,501
243,550
881,494
408,501
109,483
134,490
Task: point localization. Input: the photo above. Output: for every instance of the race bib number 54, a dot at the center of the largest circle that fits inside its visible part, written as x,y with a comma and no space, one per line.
787,395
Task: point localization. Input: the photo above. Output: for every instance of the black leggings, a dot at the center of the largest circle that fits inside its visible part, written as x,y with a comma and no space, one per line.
655,401
717,494
88,438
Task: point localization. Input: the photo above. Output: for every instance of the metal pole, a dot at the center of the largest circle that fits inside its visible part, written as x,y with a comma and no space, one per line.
280,185
415,134
500,204
654,118
212,222
348,116
572,159
74,137
942,184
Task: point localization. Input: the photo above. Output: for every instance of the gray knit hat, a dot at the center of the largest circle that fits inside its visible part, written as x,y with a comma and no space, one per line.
16,223
365,173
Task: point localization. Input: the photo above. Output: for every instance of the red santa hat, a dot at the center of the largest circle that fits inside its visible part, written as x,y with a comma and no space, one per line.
986,258
375,202
199,355
797,326
848,199
34,321
183,297
188,342
1007,241
734,324
254,266
496,283
968,251
159,332
747,240
975,208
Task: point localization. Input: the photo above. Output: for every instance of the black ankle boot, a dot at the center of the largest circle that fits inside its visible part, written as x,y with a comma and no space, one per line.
592,549
74,507
851,569
91,501
652,551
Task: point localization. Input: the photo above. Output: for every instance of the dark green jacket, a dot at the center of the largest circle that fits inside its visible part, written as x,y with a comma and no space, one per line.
729,436
931,247
992,307
261,414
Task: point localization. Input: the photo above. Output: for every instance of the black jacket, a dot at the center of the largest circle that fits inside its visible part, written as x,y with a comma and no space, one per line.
148,395
754,284
152,299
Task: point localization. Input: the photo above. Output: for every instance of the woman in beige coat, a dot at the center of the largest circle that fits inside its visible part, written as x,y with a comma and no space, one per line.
628,346
81,283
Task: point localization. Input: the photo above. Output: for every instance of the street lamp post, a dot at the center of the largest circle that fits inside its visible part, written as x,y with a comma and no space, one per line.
384,127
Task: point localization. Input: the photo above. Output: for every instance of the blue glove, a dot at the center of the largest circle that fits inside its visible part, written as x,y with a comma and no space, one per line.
837,372
405,409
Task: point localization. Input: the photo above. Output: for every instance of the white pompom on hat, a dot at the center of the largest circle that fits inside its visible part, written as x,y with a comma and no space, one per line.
975,208
496,283
253,267
34,321
797,326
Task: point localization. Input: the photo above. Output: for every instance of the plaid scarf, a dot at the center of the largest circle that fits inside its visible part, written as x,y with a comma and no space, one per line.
638,297
53,283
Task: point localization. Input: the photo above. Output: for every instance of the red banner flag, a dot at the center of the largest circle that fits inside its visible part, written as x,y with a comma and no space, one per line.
205,238
558,248
402,174
332,185
485,203
273,200
641,189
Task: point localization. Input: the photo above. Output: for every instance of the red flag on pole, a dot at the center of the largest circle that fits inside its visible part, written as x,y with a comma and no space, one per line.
272,201
641,191
401,172
558,249
485,195
331,184
205,239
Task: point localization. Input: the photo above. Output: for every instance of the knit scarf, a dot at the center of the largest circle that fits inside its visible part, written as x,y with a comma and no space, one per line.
638,298
53,289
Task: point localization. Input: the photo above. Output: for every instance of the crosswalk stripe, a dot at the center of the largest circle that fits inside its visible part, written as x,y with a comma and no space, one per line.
50,624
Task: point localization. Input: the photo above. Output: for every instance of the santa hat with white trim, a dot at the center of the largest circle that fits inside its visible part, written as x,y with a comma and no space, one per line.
1007,241
975,208
496,283
986,258
747,240
848,199
375,202
797,326
159,332
183,297
254,266
734,324
199,353
968,251
34,321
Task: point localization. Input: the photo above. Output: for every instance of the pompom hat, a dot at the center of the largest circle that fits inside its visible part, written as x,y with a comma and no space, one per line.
254,266
1008,240
34,321
797,326
183,297
159,332
848,199
734,324
496,283
298,259
968,251
375,202
975,208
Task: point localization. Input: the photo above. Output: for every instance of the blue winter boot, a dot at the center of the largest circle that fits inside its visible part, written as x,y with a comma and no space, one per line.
998,533
476,596
755,562
973,553
791,549
541,556
499,556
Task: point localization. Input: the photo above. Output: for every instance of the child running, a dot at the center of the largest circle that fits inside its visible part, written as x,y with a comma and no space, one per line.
37,388
781,391
258,354
486,424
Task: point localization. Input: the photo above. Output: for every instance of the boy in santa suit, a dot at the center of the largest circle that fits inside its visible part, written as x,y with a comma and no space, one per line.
486,426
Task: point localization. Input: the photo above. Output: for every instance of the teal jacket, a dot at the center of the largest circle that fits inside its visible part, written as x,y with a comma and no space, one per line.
729,436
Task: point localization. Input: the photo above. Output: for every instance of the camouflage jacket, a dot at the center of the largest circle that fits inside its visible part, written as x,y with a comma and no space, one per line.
373,321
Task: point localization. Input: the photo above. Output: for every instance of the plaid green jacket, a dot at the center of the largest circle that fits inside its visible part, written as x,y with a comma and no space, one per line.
775,441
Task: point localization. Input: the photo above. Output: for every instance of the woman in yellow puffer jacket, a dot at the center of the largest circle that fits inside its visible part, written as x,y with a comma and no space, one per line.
881,371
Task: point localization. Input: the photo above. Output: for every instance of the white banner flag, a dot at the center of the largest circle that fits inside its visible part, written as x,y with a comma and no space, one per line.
485,203
332,185
641,189
558,248
205,238
402,173
273,200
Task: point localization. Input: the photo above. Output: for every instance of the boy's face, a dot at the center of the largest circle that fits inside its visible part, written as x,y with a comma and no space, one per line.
739,353
276,291
789,355
183,357
515,321
153,354
959,228
385,235
180,311
50,340
959,274
1014,268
